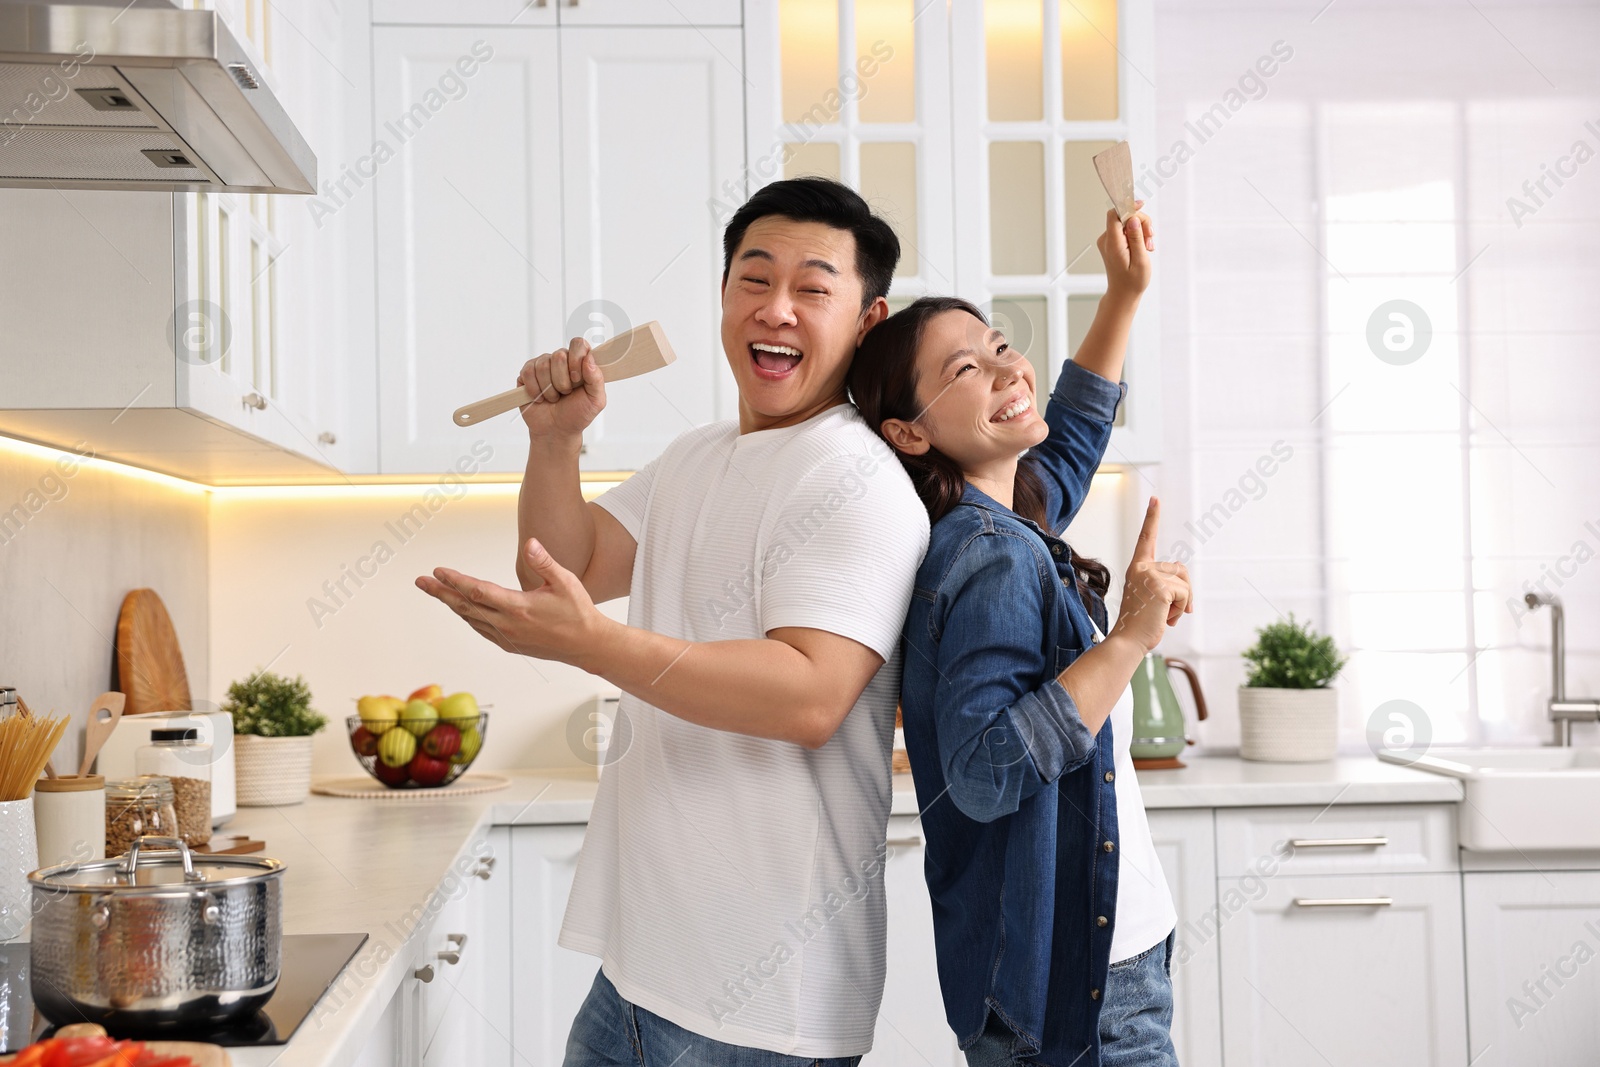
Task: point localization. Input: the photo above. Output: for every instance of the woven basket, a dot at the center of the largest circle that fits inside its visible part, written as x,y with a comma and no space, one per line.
272,771
1288,725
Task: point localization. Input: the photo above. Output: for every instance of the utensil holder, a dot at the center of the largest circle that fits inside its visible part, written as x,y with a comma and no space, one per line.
70,818
19,855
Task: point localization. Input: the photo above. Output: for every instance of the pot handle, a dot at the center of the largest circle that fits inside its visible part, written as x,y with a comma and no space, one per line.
130,865
1176,664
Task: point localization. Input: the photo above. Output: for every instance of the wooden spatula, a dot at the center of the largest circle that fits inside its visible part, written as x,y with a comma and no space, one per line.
1115,167
639,350
99,728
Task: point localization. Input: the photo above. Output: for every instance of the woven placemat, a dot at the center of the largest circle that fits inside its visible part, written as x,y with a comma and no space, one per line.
367,789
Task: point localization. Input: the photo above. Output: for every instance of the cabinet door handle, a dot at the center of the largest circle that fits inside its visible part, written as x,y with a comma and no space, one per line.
423,974
457,942
1343,902
255,400
452,958
904,842
1338,842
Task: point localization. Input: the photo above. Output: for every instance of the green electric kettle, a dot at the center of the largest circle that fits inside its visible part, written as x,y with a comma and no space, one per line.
1158,730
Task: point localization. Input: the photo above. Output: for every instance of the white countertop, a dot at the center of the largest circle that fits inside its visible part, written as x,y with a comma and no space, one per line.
368,866
1230,782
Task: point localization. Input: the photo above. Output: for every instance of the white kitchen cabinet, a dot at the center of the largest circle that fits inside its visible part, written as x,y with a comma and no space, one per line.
548,982
912,1031
1343,981
1533,966
464,12
467,1005
473,274
652,128
202,334
468,233
452,1008
549,12
650,12
1185,843
390,1044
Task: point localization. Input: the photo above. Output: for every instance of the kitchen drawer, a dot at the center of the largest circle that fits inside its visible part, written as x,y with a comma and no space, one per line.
1337,839
1343,969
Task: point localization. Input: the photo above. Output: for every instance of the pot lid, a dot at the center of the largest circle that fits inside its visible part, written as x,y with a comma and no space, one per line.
146,868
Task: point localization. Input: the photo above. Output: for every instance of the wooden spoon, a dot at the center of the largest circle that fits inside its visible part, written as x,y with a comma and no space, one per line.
99,729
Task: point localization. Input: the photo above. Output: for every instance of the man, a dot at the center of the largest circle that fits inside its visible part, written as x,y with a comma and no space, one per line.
731,879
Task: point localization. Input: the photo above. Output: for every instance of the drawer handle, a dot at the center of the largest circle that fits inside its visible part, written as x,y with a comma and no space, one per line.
904,842
1338,842
1343,902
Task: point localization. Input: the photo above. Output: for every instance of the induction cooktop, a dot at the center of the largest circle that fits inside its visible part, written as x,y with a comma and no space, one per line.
311,963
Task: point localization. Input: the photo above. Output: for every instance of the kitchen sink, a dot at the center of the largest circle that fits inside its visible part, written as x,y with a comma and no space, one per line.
1521,799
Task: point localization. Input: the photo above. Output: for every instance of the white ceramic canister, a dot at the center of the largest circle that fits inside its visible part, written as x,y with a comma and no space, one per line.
17,858
69,817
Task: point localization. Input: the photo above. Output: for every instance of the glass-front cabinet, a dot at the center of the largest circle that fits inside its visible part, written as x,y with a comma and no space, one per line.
972,127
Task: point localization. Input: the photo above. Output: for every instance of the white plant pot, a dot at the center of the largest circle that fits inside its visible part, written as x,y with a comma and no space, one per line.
18,855
272,771
1288,725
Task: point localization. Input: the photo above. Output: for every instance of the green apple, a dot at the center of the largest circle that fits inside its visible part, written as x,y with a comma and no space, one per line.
379,713
471,741
419,717
397,747
458,706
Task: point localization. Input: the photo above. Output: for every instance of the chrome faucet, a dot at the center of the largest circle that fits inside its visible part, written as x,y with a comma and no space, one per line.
1562,710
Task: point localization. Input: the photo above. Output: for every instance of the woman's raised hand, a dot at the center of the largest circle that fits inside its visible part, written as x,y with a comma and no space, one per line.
1156,592
1125,247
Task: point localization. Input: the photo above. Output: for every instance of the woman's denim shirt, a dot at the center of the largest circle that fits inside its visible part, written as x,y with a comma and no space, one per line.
1017,799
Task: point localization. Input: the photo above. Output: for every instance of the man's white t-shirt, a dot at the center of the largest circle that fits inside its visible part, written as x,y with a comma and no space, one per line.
730,884
1145,915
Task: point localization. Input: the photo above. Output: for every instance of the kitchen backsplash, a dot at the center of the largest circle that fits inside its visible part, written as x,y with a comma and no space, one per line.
319,582
315,581
75,537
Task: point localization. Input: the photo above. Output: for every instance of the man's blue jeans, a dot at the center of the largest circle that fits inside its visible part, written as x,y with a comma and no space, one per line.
610,1032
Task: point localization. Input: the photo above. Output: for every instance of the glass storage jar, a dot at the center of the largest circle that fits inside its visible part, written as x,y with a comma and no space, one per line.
138,807
178,755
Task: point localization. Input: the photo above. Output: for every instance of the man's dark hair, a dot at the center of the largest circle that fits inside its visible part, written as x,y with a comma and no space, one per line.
832,204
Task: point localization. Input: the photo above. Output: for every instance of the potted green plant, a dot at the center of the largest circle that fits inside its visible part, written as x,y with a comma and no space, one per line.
273,724
1288,713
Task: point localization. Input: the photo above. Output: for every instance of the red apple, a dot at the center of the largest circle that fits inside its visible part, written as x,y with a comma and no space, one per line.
390,775
364,741
430,693
442,742
426,770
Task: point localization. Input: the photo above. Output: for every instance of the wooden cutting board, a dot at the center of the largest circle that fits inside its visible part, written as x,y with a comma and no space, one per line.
149,661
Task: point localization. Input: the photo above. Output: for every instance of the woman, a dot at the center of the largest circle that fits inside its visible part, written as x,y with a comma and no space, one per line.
1052,918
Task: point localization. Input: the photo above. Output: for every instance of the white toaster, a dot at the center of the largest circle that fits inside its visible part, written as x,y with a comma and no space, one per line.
215,727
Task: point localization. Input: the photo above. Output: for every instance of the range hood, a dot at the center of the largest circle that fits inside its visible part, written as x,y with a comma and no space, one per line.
139,96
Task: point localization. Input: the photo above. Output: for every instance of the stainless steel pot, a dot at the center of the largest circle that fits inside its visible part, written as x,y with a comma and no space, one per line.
156,941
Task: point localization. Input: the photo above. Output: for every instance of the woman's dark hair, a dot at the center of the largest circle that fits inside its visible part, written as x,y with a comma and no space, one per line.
883,384
832,204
